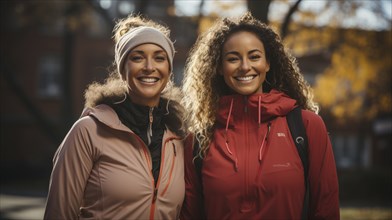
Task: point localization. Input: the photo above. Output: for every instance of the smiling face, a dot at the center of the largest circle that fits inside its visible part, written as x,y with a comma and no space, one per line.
244,65
147,73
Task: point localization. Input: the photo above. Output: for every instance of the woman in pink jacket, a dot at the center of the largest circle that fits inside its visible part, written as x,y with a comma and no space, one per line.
123,159
239,86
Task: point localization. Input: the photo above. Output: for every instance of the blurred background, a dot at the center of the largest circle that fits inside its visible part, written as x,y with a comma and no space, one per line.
52,49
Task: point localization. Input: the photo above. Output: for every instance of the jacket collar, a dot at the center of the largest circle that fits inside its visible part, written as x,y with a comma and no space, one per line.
106,115
260,106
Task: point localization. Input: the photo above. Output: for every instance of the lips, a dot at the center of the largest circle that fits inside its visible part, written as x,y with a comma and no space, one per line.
245,78
148,79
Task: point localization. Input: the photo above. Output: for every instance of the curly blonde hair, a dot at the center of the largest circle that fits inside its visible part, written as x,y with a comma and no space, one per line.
115,88
203,85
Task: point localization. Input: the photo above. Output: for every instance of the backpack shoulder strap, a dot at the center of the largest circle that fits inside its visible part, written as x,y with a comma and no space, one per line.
298,132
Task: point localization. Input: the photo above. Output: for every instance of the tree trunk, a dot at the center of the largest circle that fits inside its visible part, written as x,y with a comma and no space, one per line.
259,9
286,22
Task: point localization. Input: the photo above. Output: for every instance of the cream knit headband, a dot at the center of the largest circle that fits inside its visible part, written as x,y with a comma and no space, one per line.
138,36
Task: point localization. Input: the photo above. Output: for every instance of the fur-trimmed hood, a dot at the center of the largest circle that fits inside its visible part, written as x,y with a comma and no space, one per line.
114,90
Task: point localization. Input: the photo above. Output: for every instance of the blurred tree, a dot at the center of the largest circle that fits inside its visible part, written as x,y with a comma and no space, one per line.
356,87
259,9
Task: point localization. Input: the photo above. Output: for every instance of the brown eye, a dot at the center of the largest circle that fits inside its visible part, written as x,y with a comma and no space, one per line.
232,59
136,58
160,58
255,57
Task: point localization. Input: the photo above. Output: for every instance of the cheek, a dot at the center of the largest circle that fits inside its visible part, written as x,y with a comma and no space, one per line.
164,68
227,70
262,67
228,81
129,68
165,73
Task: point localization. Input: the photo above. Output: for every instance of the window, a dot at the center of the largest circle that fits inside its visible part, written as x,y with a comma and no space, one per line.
49,77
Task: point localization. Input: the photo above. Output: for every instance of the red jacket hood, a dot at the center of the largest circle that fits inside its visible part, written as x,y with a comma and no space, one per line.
263,105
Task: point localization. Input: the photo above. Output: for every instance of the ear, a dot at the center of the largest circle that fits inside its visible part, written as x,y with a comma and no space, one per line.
268,67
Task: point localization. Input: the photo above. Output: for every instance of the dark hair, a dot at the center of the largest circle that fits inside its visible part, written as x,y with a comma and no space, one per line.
203,85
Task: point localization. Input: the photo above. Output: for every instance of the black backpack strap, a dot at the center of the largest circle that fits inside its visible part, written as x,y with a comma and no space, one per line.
298,132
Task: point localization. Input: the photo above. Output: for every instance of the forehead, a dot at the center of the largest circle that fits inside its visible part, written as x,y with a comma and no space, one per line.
243,39
148,47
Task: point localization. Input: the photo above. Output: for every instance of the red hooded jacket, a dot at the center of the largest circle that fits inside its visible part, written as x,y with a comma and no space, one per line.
253,170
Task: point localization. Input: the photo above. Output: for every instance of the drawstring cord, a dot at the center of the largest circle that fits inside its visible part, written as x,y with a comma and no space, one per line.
227,128
226,136
265,138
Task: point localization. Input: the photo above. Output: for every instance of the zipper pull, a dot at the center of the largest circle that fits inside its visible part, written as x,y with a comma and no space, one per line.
151,118
268,130
174,149
265,139
149,130
154,198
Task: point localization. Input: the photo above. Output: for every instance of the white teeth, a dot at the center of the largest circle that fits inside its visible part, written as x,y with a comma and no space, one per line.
148,79
244,78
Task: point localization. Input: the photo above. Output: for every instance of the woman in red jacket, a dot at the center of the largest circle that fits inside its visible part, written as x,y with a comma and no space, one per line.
239,85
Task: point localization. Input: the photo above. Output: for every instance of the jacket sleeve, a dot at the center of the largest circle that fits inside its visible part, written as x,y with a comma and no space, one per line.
193,204
72,164
323,180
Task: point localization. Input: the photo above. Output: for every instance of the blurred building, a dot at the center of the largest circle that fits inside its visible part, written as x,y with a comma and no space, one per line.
50,52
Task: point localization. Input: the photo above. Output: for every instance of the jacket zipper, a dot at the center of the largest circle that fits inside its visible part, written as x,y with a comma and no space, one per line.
155,195
148,157
247,152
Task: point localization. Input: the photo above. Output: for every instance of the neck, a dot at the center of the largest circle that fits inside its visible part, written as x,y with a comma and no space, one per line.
150,102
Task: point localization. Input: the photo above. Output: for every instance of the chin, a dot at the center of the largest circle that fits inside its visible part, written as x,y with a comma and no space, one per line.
246,92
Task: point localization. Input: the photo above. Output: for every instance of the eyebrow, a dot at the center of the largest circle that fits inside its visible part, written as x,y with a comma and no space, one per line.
142,52
237,53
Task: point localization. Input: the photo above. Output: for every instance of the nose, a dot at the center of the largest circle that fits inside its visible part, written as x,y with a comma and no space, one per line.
149,66
245,65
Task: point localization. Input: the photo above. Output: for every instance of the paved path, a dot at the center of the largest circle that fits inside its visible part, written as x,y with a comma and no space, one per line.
21,207
30,206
